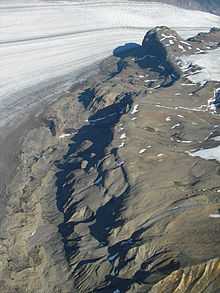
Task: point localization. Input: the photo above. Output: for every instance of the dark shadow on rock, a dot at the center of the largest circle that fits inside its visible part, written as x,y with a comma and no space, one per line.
86,97
110,115
106,217
128,50
98,131
123,285
151,56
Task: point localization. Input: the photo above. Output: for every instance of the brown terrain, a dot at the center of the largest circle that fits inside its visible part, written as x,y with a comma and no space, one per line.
105,196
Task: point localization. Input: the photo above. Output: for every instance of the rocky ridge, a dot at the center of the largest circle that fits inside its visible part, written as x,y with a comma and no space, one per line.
106,197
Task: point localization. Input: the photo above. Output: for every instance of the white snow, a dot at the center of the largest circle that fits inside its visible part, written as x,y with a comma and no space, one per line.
64,135
142,151
50,42
167,37
207,154
123,136
199,51
209,63
185,141
135,109
202,108
122,145
215,216
168,119
182,48
216,138
185,43
203,83
213,102
175,126
150,80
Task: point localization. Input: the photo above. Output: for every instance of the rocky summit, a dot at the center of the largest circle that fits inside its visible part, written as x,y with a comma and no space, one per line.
117,183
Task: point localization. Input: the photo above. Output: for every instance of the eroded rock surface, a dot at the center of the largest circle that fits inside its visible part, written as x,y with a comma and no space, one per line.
106,197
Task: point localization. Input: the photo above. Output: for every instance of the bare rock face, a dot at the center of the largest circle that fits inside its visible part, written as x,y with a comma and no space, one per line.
164,42
164,45
107,196
82,215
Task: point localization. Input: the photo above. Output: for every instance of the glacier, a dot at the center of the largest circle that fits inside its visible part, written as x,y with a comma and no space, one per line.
45,45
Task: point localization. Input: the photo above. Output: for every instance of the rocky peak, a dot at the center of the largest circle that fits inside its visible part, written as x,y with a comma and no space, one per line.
164,42
164,45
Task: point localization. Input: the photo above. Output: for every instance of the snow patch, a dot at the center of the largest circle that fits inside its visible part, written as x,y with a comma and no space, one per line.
122,145
209,63
182,48
214,216
123,136
216,138
214,102
184,141
135,109
142,151
64,135
175,126
207,154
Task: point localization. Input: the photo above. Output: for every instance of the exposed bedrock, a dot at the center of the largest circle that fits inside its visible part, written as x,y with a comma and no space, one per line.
108,194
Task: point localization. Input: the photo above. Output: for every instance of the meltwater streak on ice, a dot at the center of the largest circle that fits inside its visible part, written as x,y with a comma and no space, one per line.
45,40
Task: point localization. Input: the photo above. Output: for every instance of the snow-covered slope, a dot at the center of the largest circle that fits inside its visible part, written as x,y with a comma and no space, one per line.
209,63
40,40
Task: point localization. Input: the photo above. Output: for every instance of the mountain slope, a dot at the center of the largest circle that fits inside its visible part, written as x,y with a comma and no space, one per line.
109,194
